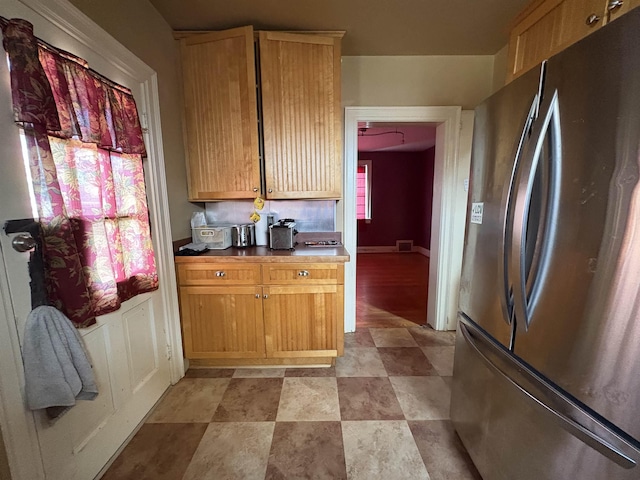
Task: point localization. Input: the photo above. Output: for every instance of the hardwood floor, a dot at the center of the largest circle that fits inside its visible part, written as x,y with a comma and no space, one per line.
391,289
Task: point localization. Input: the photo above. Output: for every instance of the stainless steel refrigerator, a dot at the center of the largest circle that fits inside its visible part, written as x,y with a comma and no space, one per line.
546,381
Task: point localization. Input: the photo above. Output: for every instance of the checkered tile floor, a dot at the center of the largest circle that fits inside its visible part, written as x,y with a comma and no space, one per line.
381,413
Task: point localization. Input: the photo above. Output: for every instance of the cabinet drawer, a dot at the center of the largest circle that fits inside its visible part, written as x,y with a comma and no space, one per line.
301,273
219,274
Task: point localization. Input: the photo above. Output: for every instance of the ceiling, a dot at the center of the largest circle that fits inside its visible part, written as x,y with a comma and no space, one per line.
373,27
395,137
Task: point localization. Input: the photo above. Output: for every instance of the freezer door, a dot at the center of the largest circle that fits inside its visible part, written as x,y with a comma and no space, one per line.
501,129
578,316
516,425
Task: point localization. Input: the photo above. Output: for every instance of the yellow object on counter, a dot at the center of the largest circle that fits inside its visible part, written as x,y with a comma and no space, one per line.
255,217
259,203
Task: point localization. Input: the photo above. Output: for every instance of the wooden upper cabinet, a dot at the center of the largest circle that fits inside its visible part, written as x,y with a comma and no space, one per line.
301,115
221,124
546,27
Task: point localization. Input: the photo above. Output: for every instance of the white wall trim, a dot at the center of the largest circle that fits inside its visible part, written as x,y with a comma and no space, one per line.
161,228
18,425
444,217
422,251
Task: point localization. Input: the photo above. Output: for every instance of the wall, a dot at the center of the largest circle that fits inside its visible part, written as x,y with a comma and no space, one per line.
400,183
139,27
500,68
417,80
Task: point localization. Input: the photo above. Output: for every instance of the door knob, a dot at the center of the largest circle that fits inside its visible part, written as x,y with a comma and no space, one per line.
23,242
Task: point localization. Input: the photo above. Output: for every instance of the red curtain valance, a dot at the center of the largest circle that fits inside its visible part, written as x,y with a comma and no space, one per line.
57,92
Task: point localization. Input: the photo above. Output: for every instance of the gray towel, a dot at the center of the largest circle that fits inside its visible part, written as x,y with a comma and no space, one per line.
56,367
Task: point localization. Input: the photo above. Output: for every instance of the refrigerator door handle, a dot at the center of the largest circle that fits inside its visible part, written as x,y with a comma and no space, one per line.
527,284
506,299
544,396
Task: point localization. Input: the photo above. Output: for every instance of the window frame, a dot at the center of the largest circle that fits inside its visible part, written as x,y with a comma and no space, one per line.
367,164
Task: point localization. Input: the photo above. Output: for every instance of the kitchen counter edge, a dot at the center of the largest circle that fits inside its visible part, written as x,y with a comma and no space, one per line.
266,255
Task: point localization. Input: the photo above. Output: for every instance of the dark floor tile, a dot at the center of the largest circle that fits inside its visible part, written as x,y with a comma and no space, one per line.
428,337
310,372
250,400
405,361
368,398
307,450
158,451
360,338
442,451
209,373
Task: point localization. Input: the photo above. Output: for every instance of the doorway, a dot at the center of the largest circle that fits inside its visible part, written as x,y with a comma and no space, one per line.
451,169
394,210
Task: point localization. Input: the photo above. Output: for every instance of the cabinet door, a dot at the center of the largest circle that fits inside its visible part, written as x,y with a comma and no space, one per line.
221,121
304,321
301,115
549,28
222,322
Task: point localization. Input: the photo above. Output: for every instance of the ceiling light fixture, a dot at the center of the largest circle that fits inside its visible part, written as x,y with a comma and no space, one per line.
362,132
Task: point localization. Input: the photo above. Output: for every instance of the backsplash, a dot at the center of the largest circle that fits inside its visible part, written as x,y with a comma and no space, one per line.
309,215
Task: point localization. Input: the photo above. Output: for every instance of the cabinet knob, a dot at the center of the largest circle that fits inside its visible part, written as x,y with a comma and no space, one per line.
265,296
303,273
271,190
614,5
257,295
220,273
592,19
255,189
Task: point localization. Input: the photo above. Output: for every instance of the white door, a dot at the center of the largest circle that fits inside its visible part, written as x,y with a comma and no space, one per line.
128,348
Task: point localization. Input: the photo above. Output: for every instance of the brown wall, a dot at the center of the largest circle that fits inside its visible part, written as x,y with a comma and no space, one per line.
401,192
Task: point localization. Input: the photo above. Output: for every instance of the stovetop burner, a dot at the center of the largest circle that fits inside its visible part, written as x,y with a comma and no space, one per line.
322,243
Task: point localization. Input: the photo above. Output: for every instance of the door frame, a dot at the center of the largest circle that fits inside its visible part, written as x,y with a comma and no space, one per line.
451,169
18,425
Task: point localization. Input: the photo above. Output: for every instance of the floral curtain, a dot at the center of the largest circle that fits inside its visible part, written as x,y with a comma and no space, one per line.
85,149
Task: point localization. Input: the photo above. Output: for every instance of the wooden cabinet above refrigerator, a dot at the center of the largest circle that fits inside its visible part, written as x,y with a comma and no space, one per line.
546,27
298,119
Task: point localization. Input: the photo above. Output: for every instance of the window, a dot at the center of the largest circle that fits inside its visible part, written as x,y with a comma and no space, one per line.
84,146
363,190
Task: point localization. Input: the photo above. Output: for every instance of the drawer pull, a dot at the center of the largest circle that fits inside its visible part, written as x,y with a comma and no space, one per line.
592,19
220,273
614,4
303,273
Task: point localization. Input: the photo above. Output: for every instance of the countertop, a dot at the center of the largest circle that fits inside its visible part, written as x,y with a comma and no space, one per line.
301,253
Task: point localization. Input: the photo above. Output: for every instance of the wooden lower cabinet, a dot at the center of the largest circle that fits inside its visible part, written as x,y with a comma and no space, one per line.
222,322
290,314
302,321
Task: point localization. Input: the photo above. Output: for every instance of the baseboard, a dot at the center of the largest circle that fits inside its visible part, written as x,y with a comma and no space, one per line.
385,249
392,249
